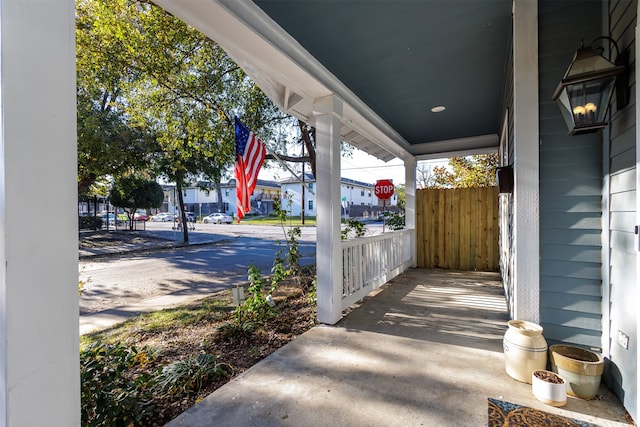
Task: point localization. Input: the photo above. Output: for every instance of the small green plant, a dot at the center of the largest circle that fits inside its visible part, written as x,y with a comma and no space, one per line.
358,228
237,329
278,273
257,306
191,375
110,393
292,236
396,221
312,296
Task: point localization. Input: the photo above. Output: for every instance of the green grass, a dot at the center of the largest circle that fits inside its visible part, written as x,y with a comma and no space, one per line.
292,221
213,309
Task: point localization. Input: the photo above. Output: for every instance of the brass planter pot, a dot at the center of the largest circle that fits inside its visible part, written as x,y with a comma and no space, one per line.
580,367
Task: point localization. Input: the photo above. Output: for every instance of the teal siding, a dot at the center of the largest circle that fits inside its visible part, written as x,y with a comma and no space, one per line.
570,188
622,371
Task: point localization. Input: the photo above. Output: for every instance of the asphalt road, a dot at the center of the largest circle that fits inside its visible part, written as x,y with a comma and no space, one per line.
125,280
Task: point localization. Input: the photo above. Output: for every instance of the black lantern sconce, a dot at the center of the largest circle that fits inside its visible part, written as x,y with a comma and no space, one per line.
584,94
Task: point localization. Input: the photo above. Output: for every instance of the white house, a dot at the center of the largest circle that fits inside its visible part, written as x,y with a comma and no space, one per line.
357,198
201,198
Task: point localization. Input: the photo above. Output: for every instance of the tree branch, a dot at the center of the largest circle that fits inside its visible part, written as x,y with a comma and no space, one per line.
305,159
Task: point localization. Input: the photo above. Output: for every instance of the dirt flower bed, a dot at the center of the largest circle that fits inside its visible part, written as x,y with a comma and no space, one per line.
198,333
104,239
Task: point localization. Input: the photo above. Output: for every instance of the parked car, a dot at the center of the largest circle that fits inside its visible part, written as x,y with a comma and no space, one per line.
110,219
253,212
140,215
162,217
217,218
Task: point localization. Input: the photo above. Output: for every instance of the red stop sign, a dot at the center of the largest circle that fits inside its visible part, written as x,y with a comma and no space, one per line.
383,189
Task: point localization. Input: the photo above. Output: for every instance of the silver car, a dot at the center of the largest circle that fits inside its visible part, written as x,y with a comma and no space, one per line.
162,217
217,218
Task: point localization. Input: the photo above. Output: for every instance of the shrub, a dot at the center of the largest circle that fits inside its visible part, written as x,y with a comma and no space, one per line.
237,329
192,374
89,222
358,227
111,393
396,221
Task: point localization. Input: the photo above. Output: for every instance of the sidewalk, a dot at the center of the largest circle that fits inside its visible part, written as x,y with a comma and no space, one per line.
425,351
95,244
113,242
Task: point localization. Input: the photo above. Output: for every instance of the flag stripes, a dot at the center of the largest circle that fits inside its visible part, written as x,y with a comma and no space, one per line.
250,154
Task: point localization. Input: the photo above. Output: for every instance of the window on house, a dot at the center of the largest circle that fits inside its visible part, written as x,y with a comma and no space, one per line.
226,191
311,186
310,205
362,192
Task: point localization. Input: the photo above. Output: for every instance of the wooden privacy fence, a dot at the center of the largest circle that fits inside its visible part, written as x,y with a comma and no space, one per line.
457,228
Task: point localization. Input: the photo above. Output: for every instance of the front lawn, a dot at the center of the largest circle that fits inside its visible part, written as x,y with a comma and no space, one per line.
153,367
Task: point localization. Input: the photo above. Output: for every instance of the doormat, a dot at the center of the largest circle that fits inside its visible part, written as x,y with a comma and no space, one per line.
507,414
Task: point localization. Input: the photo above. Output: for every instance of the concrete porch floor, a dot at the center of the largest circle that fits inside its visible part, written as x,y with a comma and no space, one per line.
425,350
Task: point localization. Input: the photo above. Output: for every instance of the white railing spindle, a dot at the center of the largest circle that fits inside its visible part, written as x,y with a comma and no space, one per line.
370,262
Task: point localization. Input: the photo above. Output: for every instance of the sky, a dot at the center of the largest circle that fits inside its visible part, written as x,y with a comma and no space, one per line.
361,167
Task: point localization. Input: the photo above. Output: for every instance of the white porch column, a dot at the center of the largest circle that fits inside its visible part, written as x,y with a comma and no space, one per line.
328,111
526,161
637,272
410,208
39,364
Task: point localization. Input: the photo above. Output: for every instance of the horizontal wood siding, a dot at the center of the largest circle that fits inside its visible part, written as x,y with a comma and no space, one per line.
458,228
622,371
570,188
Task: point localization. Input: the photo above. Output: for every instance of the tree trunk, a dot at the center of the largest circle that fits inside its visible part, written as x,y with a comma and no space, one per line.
183,215
308,136
218,188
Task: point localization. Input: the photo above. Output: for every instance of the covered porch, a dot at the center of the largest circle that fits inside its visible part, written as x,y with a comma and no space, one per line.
436,360
572,267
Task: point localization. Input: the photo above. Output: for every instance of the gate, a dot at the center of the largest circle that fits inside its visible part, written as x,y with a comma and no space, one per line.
457,228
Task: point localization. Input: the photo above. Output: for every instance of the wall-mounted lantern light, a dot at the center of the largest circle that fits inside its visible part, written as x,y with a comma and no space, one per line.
585,91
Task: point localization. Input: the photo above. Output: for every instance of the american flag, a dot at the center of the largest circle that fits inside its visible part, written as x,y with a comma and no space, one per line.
250,153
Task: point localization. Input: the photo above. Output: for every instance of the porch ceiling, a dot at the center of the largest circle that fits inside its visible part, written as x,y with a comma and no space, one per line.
389,61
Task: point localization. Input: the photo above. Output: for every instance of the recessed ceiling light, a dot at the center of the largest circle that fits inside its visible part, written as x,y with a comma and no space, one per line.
438,109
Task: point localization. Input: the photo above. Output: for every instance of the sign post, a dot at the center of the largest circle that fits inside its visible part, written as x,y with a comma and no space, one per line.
383,189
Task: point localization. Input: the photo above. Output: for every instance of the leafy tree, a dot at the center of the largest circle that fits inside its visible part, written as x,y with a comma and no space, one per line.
424,176
158,89
401,196
156,96
107,144
132,193
466,172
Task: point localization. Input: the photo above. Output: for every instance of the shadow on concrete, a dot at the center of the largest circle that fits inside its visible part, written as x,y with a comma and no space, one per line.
426,350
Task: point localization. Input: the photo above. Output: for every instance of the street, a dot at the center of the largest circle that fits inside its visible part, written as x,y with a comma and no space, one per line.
116,287
197,270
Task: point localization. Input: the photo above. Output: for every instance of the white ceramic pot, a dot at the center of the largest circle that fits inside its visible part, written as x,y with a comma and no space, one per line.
550,392
525,349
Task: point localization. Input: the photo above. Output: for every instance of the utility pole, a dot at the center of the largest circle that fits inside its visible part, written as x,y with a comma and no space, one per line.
302,211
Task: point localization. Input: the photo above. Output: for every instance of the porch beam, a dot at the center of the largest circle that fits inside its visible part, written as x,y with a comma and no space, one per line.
526,303
328,115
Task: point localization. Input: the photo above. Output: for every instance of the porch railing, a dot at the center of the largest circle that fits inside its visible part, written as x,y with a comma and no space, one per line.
370,262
